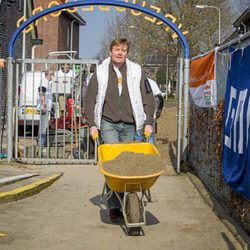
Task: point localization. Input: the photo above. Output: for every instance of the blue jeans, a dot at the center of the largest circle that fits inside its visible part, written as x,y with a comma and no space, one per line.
115,133
151,139
42,132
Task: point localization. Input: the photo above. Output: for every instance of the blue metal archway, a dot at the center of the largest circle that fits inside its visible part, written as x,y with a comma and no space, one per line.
99,2
185,76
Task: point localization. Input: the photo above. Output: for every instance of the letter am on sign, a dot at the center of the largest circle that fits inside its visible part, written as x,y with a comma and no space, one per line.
102,8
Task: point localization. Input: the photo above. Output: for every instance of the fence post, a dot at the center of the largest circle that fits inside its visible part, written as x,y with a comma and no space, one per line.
185,109
179,114
10,109
1,106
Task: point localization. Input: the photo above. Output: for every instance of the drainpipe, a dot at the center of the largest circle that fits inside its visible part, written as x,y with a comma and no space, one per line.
33,56
245,27
71,35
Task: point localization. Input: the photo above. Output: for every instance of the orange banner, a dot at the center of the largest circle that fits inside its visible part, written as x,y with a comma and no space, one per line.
202,70
202,80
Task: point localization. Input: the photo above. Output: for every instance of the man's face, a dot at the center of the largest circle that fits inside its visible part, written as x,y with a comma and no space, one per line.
118,54
65,68
51,76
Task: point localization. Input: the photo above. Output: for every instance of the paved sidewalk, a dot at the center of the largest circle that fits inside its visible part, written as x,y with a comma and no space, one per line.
68,215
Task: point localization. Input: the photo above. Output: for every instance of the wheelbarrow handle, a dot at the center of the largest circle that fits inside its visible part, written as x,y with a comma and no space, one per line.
96,136
147,135
97,143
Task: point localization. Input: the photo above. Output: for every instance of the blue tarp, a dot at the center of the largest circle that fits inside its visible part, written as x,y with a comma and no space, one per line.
236,146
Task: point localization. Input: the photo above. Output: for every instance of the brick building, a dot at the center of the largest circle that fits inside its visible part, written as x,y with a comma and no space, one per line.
58,33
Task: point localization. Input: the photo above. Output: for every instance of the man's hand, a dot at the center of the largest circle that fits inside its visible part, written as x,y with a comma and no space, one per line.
2,61
148,130
94,132
44,109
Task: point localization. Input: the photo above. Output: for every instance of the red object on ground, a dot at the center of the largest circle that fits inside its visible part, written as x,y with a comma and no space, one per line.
70,107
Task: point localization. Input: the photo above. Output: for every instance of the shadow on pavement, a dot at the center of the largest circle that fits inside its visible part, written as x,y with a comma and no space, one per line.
104,213
96,201
229,243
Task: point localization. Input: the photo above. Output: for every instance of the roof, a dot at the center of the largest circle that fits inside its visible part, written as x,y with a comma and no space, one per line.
245,16
76,16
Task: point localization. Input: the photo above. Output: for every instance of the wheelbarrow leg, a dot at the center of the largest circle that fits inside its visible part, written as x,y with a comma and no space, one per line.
147,193
107,196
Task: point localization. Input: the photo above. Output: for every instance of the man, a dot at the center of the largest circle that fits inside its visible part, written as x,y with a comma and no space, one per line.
158,108
44,105
116,100
91,71
64,73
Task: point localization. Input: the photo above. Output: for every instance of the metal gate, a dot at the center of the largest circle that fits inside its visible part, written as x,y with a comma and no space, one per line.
185,68
66,138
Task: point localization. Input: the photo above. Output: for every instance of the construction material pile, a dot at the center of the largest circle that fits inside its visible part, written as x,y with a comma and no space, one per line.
134,164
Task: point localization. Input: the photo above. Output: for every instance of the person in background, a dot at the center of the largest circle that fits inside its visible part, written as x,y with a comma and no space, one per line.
64,72
116,101
91,71
86,82
158,108
2,62
44,105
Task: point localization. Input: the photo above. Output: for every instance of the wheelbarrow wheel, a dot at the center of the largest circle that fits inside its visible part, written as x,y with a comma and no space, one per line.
134,231
134,213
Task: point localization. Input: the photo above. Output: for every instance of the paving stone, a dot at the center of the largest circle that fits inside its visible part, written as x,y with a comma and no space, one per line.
68,215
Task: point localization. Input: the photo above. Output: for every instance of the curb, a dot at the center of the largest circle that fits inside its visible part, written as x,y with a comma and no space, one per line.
28,190
240,235
15,178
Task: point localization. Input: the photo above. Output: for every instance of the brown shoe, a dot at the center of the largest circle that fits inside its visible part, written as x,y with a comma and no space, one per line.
115,213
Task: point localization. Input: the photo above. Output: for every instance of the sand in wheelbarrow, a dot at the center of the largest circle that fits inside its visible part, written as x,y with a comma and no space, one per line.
134,164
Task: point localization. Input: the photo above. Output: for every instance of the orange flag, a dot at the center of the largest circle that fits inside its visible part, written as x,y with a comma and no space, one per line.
202,80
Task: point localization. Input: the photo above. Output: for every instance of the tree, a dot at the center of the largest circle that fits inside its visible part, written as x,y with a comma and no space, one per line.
149,39
202,36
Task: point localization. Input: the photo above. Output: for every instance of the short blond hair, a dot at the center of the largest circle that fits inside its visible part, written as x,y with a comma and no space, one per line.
119,41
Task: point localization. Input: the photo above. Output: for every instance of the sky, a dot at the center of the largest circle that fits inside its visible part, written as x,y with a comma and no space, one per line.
92,32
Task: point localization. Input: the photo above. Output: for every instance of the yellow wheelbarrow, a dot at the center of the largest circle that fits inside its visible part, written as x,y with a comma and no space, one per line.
134,188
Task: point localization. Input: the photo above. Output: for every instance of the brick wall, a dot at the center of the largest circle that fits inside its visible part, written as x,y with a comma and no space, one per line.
63,31
10,12
48,31
54,32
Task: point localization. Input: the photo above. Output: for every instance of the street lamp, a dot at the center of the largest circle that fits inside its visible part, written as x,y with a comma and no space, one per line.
166,75
212,7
